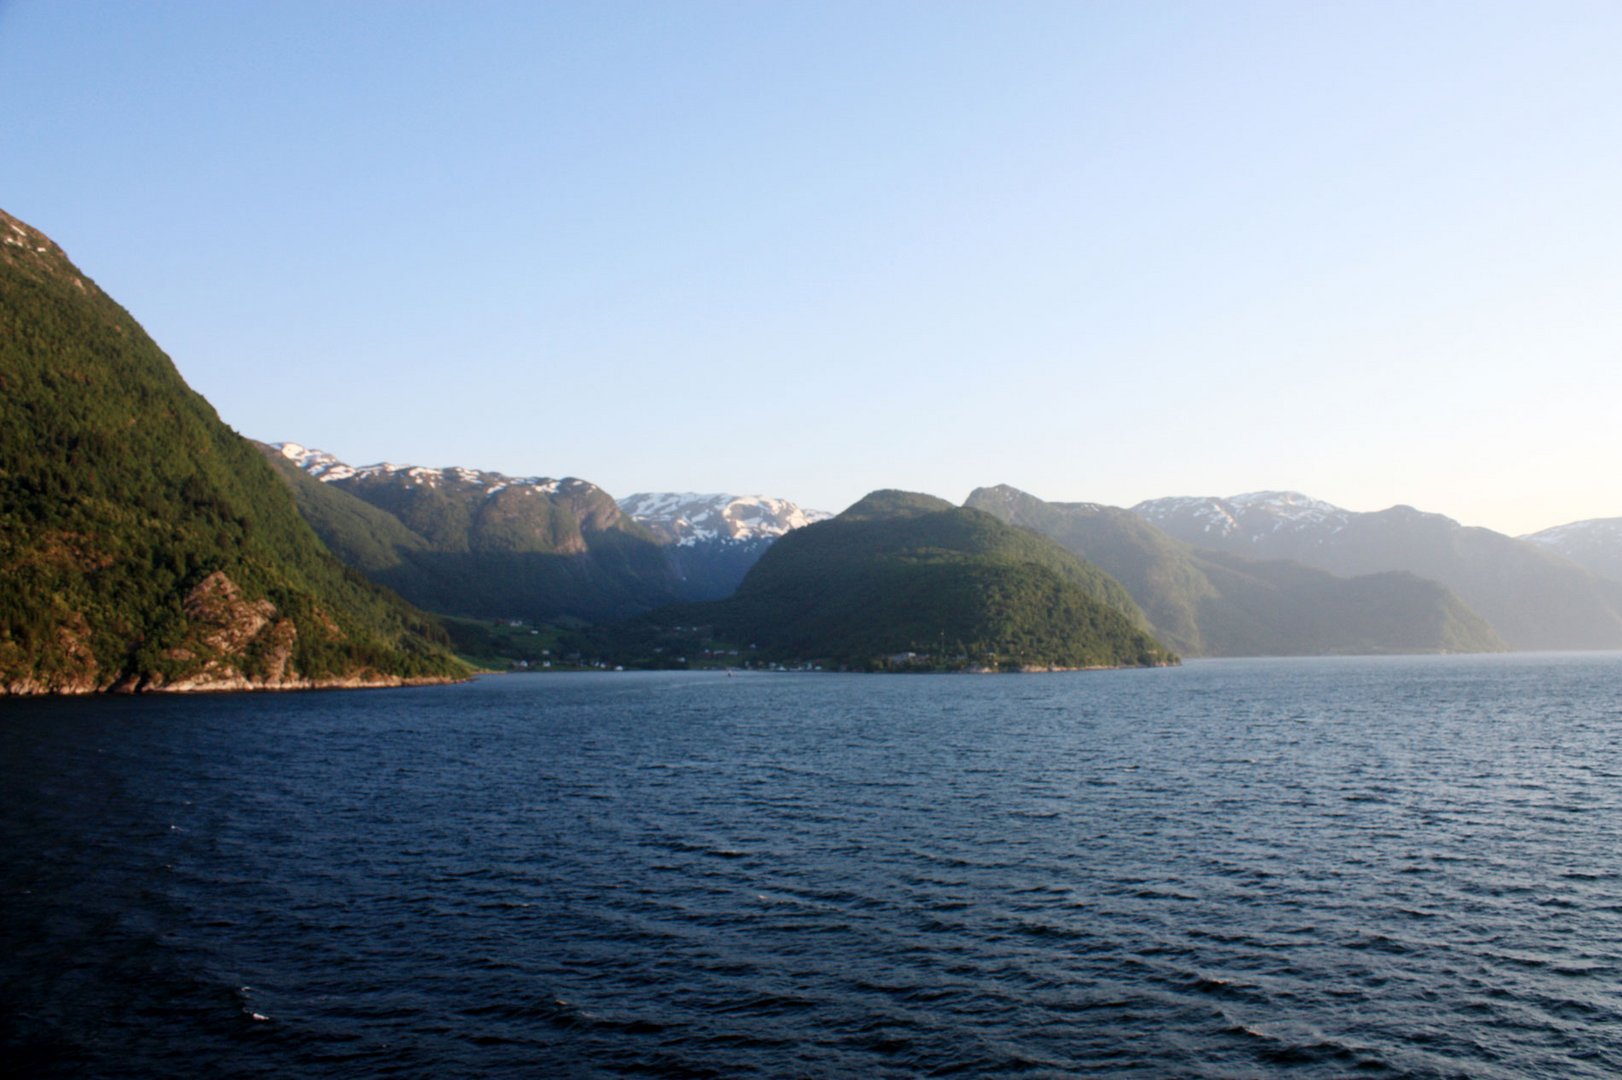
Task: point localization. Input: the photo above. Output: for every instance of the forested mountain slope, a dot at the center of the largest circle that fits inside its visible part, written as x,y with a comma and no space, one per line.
145,545
908,579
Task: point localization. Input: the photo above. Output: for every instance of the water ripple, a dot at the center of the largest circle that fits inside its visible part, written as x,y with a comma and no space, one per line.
1391,867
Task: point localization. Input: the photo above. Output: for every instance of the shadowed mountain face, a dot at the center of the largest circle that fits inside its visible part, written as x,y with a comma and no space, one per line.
468,542
1532,597
900,573
1211,603
143,544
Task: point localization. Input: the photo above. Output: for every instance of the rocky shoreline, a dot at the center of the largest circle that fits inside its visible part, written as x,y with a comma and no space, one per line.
36,688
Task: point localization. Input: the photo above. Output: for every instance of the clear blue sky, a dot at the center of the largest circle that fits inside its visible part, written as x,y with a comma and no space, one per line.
1100,251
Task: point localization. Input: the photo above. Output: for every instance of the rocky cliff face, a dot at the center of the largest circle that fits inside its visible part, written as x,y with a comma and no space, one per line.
229,643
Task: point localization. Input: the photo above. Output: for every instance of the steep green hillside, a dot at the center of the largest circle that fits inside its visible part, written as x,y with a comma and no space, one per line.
480,544
143,544
901,573
1156,570
372,541
1209,604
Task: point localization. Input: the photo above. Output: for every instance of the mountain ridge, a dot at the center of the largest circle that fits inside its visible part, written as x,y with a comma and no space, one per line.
143,544
688,518
477,543
1533,597
1211,603
712,540
1594,544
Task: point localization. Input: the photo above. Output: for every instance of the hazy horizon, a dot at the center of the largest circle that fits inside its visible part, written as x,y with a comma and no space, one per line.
1102,253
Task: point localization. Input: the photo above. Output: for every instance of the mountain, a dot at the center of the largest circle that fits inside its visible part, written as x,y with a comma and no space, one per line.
687,519
471,542
900,573
143,544
1215,604
1279,517
1532,597
1595,545
711,541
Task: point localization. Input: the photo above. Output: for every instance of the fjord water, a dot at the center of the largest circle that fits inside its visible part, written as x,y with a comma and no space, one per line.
1392,866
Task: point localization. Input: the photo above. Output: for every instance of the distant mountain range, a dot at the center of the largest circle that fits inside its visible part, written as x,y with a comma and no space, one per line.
1595,545
712,540
1212,603
144,545
1533,596
689,520
1266,573
472,542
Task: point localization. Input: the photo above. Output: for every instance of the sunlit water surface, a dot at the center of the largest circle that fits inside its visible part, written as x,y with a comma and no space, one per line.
1399,866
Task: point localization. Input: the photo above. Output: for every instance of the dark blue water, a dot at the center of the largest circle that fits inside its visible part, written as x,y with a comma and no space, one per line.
1323,867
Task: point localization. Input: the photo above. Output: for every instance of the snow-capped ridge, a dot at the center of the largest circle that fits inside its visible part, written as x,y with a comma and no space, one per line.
1291,505
1595,544
327,468
1593,528
687,518
1252,513
1214,515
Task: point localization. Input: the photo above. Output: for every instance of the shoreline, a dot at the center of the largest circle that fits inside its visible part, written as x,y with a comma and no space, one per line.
232,686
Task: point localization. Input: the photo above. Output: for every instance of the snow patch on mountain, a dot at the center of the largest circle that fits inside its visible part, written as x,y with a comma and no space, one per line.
1215,516
688,518
327,468
1594,544
1290,506
1592,531
1252,514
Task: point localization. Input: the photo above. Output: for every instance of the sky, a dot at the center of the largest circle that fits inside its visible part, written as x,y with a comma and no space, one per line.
1101,251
